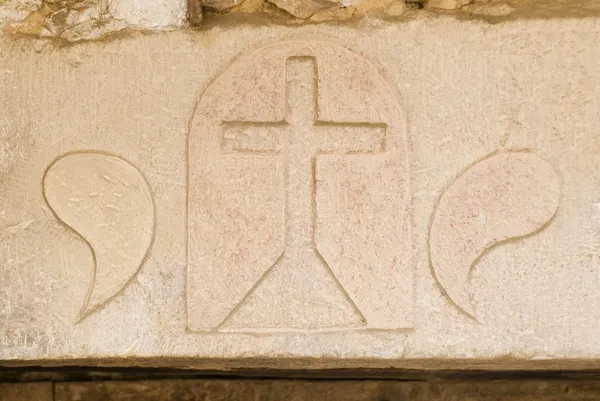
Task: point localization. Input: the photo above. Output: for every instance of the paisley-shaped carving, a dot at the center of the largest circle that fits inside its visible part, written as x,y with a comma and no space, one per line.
107,201
507,195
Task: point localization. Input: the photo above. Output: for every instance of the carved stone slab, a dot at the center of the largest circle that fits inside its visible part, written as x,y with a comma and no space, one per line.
321,196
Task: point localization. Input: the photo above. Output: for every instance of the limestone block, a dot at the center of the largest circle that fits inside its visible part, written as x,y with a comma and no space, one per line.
447,4
154,14
221,5
319,196
303,8
488,9
16,10
76,20
396,8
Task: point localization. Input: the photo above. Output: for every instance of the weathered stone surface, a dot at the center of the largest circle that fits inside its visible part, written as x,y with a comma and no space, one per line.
356,9
26,392
488,9
221,5
396,8
372,390
297,191
75,20
16,10
195,14
303,8
156,14
447,4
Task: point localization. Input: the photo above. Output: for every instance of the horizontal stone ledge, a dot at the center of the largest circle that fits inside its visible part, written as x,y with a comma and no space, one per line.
423,195
83,373
324,368
167,390
314,390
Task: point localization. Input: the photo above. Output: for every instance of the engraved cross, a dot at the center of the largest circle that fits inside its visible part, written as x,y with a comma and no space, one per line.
300,138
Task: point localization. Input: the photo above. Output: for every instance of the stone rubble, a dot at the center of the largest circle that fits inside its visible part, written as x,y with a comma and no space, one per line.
221,5
304,8
75,20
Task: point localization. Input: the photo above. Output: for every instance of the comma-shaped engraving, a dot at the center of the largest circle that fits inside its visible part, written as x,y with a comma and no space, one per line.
507,195
107,201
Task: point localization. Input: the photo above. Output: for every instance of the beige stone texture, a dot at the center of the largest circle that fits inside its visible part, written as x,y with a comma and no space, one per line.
303,8
299,185
156,14
74,20
221,5
305,390
26,392
496,9
396,8
447,4
78,20
16,10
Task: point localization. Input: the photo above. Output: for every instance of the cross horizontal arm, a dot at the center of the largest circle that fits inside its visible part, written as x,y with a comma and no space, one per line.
326,137
254,137
349,137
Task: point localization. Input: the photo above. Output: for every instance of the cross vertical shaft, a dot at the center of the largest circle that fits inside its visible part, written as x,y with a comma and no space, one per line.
299,154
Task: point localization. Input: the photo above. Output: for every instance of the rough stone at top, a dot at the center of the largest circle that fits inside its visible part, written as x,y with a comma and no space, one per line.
76,20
